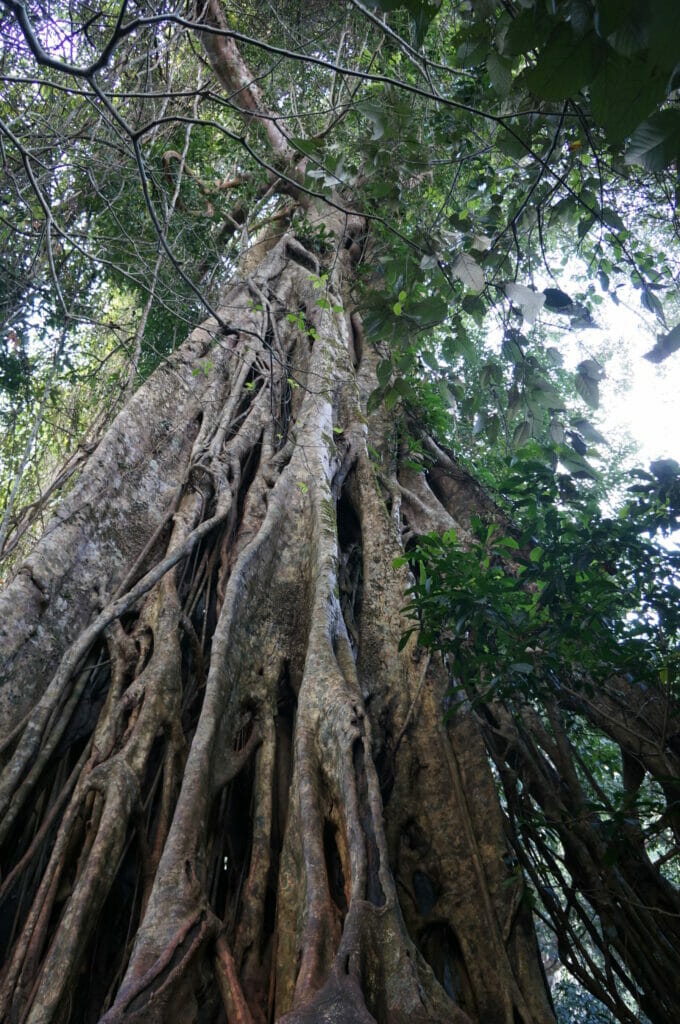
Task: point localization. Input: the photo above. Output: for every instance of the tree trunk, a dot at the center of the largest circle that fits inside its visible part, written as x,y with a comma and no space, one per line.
228,795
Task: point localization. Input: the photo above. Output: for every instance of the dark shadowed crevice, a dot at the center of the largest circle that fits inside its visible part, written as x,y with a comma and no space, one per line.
249,468
284,419
252,386
86,713
50,789
424,892
268,917
229,546
191,566
334,872
232,846
460,494
284,727
385,769
374,890
150,788
350,567
193,677
204,608
298,254
357,343
111,943
441,949
18,897
349,526
249,711
284,724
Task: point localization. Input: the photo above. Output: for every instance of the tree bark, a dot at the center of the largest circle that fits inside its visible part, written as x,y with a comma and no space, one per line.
228,795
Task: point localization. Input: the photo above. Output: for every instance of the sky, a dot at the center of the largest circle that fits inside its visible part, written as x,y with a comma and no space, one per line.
638,399
638,396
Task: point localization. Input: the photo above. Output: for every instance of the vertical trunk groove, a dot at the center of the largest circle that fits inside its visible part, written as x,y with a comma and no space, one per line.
263,783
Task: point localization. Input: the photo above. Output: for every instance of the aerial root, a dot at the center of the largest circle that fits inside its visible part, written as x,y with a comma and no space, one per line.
234,1001
144,996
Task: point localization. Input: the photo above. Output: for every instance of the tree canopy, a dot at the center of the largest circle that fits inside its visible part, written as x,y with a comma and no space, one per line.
479,140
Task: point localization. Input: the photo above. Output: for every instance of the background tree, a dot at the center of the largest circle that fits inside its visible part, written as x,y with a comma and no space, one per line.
229,788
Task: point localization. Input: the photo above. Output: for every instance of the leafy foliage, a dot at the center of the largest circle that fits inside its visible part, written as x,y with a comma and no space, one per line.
569,593
486,145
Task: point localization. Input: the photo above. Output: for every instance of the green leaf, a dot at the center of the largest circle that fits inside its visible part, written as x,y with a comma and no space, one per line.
580,16
576,464
391,399
588,431
590,368
511,348
521,434
588,388
491,373
507,542
405,389
527,31
404,639
666,345
584,226
376,114
656,142
431,310
566,63
493,428
543,393
467,270
529,301
422,14
624,92
310,147
373,400
430,358
446,395
557,300
650,302
500,73
612,219
512,145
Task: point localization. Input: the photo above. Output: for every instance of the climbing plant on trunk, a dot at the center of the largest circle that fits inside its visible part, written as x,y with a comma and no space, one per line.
230,791
240,805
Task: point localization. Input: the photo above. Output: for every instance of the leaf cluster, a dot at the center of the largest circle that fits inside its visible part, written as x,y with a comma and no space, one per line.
570,594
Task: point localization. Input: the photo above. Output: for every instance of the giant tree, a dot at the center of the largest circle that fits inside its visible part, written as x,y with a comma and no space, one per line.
230,789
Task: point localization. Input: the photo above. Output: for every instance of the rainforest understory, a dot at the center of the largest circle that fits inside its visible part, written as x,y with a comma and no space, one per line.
236,795
229,793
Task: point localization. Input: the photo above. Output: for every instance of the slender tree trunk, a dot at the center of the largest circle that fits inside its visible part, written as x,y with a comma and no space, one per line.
227,794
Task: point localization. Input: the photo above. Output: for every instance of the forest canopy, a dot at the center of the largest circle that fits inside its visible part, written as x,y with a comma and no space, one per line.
303,498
